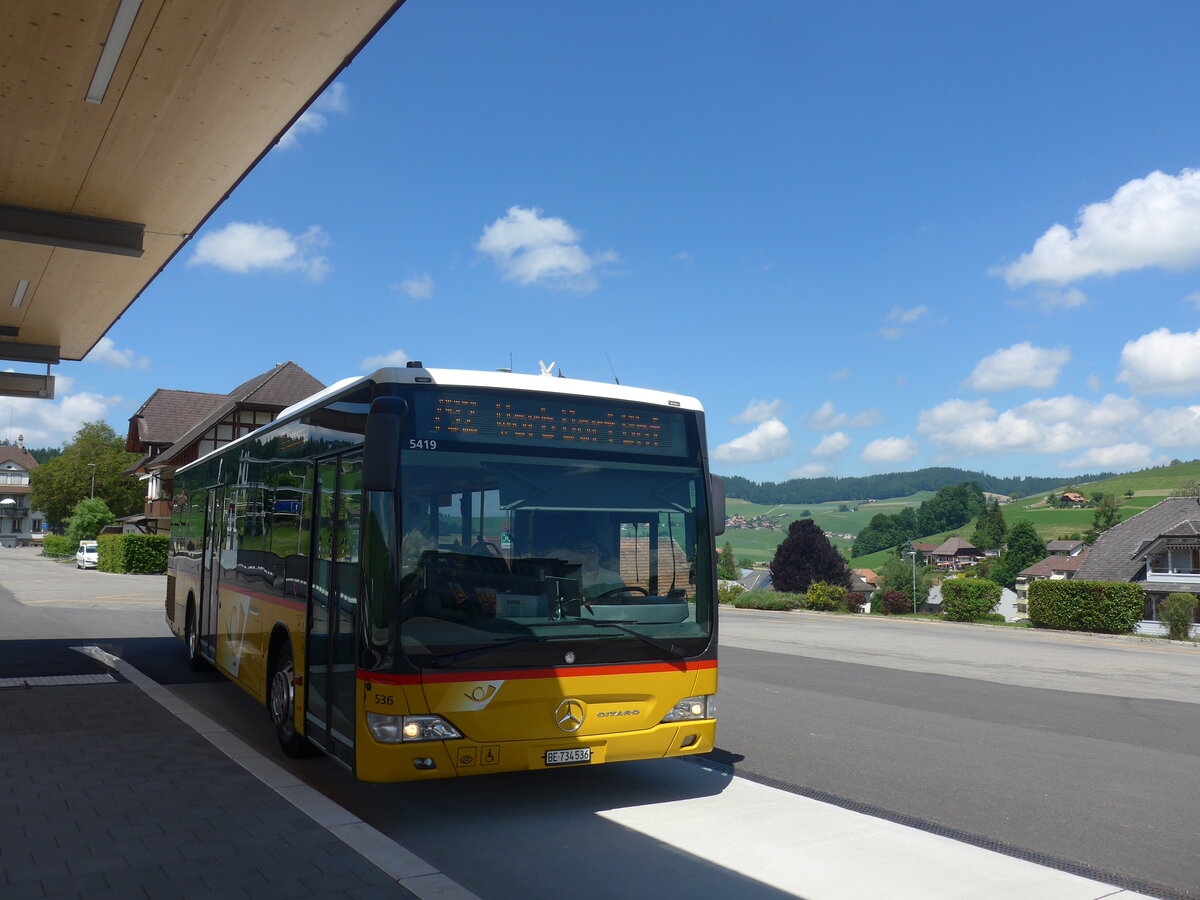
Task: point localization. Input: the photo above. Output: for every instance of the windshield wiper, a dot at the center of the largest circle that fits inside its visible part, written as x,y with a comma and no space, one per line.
449,658
665,646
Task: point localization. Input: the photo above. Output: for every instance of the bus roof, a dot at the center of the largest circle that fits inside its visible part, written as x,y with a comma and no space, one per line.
469,378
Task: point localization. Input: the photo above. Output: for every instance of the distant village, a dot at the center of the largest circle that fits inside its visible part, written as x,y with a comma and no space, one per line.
775,523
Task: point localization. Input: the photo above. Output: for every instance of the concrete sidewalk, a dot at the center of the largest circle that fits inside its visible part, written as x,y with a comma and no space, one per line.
107,791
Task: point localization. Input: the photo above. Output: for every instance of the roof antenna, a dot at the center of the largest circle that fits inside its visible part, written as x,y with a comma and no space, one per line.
616,380
546,369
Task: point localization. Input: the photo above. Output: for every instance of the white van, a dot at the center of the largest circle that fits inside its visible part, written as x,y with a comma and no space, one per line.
87,555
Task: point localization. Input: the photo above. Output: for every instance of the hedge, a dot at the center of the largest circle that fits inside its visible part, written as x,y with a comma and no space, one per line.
767,600
969,599
1105,607
137,554
1176,612
824,597
58,545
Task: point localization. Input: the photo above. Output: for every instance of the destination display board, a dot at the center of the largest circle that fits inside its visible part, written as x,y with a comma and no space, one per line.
547,421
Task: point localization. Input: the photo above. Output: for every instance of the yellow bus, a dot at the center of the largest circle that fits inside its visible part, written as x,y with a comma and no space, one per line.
428,572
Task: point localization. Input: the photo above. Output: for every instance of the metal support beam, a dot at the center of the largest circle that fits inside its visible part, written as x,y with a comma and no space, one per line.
18,384
55,229
37,353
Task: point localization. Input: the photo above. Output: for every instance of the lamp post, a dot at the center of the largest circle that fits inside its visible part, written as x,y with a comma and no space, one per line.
912,554
92,466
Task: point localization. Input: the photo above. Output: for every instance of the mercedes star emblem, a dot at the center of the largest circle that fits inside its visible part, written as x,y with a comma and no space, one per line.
569,715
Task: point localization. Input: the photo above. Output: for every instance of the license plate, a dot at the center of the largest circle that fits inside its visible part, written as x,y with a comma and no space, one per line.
567,757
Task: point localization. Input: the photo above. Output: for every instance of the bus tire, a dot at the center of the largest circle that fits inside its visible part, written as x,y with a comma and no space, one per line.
281,703
191,640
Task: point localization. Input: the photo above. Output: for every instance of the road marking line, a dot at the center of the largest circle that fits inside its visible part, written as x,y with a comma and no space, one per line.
94,602
398,862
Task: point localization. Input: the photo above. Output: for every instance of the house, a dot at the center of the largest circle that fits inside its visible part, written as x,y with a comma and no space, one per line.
1159,549
861,588
954,554
1073,500
1053,568
173,428
868,575
19,523
757,580
923,550
1065,548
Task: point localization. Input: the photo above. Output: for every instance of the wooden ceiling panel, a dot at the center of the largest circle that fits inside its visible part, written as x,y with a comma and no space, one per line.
234,82
200,91
81,294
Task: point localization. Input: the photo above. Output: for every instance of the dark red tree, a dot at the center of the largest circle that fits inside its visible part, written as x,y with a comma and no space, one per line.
806,556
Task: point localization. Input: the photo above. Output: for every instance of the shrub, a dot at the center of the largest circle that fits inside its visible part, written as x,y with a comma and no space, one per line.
1105,607
726,592
968,599
136,554
894,603
1177,612
767,600
824,597
58,545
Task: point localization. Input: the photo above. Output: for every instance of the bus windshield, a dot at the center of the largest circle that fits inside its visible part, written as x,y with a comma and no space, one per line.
521,560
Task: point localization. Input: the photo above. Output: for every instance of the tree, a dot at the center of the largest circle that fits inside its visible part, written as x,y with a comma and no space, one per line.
727,565
806,556
1024,547
87,518
61,482
897,574
991,528
1107,515
1129,494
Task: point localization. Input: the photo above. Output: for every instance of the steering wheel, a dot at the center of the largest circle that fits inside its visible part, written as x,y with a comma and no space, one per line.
623,590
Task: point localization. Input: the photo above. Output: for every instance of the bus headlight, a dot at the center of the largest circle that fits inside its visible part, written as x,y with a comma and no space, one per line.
405,729
692,708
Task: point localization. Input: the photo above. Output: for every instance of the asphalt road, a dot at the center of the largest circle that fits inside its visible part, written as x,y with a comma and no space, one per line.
1107,781
950,728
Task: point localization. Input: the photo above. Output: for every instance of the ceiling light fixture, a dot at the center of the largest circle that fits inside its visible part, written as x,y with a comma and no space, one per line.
117,35
19,294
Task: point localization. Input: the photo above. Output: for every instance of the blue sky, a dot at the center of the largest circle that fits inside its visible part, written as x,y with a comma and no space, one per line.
868,237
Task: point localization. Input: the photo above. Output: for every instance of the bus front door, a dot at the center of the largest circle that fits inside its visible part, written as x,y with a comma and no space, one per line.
331,676
214,522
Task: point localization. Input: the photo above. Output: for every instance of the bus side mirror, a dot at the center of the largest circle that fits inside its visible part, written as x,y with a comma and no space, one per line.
716,489
381,453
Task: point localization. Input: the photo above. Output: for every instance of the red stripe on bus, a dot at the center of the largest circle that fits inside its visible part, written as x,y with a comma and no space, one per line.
514,674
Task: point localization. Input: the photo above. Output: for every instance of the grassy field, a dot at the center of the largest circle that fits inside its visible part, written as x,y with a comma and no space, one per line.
1149,487
759,544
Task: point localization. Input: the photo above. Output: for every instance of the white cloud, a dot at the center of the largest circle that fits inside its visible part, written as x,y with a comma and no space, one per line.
1151,221
1021,365
314,119
1117,456
1071,298
395,358
1054,425
768,440
1162,362
243,247
827,418
106,352
1177,427
759,411
832,444
1193,299
889,450
808,470
904,318
50,423
1093,382
419,288
840,375
684,257
530,249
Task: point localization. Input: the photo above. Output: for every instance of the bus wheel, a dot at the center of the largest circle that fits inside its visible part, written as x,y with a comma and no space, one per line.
191,640
281,701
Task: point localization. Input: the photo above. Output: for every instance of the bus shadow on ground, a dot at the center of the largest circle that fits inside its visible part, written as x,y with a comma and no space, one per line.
160,658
